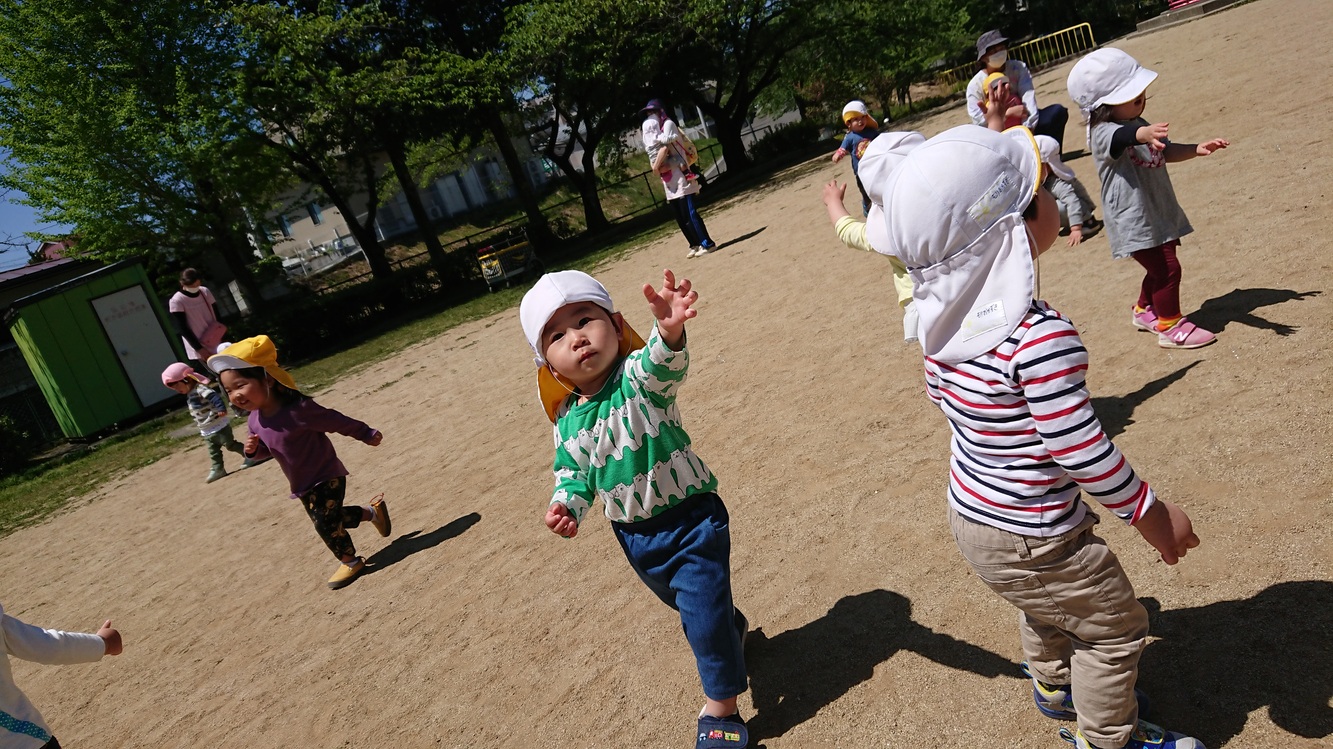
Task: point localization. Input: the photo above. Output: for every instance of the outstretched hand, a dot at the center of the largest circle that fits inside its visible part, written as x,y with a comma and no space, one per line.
1154,136
834,192
1206,149
672,305
561,522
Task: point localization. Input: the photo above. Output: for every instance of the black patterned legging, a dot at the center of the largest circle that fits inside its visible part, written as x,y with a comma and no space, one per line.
324,504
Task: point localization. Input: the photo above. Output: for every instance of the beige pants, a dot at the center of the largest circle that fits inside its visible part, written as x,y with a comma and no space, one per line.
1078,618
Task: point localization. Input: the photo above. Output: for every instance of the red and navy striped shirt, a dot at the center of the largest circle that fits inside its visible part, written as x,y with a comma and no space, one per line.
1025,438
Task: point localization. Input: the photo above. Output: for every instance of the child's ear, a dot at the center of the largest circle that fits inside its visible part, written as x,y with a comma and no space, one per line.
618,320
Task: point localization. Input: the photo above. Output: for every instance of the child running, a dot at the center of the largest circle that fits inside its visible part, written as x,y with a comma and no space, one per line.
210,415
21,726
1076,206
293,429
966,212
861,129
878,160
618,436
1143,218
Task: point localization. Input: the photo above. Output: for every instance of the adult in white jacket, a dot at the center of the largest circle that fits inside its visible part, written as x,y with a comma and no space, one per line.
993,57
21,726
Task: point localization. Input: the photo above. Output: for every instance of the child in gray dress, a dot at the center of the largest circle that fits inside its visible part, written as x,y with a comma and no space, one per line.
1143,219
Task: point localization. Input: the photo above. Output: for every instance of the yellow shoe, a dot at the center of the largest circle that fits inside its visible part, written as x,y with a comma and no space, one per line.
381,521
346,573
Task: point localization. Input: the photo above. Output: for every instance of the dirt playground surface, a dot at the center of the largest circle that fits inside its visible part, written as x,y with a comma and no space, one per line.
478,628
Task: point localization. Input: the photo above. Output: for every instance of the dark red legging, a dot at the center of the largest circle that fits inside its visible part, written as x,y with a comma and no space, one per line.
1161,284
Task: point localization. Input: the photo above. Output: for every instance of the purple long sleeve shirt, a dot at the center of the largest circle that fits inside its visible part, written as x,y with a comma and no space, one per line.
297,437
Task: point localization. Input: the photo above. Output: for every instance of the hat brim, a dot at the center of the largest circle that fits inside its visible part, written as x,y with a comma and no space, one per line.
1060,168
553,389
1129,90
220,363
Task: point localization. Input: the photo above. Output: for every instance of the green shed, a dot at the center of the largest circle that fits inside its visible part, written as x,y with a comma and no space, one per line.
97,345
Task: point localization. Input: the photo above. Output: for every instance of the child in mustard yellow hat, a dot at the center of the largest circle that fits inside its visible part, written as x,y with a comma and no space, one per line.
293,429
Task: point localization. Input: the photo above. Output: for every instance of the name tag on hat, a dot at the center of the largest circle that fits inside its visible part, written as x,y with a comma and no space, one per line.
983,318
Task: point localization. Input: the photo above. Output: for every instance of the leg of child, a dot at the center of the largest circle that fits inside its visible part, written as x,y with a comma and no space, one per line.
1073,586
229,441
324,504
687,565
865,197
1161,283
217,469
681,208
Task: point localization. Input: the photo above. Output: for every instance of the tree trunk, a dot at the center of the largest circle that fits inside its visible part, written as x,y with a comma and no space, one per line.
729,136
230,243
398,157
539,231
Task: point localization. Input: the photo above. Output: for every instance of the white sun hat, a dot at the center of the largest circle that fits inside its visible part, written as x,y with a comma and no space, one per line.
881,157
551,292
1050,156
953,213
1107,76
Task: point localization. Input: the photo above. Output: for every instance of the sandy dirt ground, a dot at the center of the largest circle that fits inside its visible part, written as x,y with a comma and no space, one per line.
478,628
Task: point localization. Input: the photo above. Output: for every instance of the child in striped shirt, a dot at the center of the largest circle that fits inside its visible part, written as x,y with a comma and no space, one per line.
618,436
965,211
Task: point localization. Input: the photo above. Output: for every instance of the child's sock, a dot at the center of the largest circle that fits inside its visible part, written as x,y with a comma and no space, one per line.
1139,310
1166,323
371,510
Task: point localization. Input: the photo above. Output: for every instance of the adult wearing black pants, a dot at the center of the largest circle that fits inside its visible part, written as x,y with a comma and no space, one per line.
681,189
993,57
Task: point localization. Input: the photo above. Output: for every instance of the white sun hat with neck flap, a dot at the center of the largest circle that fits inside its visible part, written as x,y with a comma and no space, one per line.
953,213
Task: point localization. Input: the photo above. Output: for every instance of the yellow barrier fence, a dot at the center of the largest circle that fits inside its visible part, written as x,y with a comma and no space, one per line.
1037,53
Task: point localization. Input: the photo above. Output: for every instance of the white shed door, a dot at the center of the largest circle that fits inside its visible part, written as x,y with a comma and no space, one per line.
137,337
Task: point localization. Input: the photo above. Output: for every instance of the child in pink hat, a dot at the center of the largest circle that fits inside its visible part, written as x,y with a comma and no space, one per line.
209,413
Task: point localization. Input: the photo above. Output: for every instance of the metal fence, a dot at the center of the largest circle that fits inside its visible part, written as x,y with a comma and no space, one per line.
1037,53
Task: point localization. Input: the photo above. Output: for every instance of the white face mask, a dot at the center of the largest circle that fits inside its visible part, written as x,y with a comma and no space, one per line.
998,59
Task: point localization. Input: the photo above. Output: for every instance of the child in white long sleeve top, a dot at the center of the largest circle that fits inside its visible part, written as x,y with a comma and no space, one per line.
21,726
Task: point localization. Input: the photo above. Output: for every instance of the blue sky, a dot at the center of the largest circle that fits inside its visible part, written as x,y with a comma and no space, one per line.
15,220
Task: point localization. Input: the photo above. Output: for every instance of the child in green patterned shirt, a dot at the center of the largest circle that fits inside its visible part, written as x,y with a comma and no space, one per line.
618,436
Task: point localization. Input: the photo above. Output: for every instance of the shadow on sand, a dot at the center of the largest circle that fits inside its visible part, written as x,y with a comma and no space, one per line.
410,543
1214,665
741,238
796,673
1238,306
1116,412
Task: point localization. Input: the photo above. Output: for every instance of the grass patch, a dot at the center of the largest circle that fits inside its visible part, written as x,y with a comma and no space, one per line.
42,490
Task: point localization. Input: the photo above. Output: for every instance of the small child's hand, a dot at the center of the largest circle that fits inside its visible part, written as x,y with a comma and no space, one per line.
834,192
1207,149
838,154
251,444
1154,136
994,112
1169,530
219,414
375,439
560,521
672,306
111,638
1075,235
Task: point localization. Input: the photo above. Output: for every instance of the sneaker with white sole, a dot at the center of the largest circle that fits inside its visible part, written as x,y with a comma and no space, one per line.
911,323
346,573
1145,320
1184,334
1146,736
694,252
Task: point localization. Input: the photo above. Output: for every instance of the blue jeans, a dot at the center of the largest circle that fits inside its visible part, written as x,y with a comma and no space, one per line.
690,222
1051,121
684,557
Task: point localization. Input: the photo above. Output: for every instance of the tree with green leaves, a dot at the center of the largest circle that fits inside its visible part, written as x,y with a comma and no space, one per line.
585,64
119,121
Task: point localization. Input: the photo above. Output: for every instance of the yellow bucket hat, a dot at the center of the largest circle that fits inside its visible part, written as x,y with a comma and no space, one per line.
247,353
